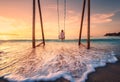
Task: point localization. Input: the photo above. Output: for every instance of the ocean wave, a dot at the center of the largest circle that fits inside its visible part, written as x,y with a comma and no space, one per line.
52,62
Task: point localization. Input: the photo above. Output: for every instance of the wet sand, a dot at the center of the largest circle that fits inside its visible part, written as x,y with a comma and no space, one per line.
109,73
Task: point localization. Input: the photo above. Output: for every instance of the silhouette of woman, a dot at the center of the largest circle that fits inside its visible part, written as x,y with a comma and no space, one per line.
62,35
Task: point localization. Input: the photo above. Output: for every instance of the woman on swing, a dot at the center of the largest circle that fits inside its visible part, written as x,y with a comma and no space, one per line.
62,35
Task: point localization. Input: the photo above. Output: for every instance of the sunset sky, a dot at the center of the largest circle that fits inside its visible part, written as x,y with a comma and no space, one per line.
16,18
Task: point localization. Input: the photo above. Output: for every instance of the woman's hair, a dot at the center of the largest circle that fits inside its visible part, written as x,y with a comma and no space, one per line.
62,30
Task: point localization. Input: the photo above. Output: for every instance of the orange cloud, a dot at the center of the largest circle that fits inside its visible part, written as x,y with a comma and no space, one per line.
6,24
101,18
73,17
13,28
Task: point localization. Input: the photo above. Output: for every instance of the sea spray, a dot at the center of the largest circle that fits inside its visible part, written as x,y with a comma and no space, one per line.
53,61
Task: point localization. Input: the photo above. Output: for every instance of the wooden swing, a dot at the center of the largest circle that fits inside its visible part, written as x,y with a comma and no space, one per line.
61,32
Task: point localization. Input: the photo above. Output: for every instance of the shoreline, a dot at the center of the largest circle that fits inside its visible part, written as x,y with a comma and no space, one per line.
108,73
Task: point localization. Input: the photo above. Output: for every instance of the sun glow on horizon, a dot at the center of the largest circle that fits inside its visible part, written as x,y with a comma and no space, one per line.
3,37
16,20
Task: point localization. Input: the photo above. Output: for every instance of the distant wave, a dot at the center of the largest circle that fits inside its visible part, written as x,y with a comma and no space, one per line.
112,39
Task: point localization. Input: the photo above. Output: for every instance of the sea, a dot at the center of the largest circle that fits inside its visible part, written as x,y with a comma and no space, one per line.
19,62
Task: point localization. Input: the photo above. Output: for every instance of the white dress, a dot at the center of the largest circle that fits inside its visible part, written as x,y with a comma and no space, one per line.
62,35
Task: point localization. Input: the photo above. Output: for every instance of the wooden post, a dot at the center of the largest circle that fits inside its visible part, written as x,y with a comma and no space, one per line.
88,35
33,26
41,21
81,26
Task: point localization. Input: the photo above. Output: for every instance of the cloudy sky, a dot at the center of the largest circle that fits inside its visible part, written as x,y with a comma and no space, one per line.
16,18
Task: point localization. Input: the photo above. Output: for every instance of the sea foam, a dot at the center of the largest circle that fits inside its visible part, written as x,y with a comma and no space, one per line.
24,64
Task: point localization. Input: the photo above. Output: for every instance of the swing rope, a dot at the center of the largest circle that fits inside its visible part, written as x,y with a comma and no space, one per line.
59,16
64,14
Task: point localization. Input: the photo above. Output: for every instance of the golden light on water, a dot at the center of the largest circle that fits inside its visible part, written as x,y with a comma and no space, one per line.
4,37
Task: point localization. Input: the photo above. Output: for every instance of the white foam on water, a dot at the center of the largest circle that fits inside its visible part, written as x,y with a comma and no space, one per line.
55,60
